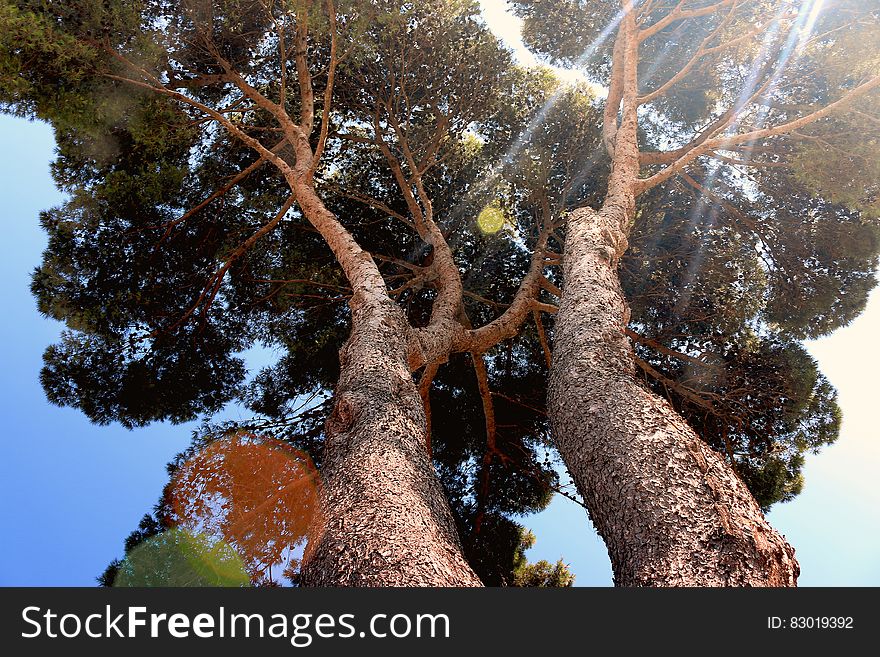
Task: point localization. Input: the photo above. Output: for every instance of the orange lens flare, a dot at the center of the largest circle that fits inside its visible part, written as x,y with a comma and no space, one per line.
259,495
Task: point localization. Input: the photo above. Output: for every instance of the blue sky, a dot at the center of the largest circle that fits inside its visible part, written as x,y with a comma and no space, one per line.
70,491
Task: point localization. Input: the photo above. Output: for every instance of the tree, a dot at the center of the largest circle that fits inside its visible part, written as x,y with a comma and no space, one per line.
442,193
512,478
542,573
155,105
738,85
255,498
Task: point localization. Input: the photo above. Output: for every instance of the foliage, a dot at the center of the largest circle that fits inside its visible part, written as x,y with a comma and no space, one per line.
541,573
728,268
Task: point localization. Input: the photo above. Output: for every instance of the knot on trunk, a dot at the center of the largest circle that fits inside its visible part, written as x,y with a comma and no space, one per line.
613,244
342,416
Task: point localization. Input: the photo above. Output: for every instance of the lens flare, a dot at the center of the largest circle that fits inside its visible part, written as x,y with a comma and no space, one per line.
259,495
180,558
491,219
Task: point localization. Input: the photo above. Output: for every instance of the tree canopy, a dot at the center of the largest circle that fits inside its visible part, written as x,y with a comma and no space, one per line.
180,246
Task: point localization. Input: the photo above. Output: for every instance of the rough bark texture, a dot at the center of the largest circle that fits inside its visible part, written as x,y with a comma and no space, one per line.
387,521
670,509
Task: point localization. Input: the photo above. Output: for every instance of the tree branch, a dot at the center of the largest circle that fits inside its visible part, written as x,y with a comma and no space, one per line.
508,323
491,446
425,383
678,14
241,175
542,337
730,140
328,90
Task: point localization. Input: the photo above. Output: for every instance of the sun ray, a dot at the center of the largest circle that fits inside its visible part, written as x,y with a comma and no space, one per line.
494,171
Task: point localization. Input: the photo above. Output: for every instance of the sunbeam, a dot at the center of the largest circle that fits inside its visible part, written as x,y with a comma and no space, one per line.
798,34
795,40
493,172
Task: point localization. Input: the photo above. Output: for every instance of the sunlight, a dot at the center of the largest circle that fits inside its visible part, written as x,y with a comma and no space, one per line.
694,218
757,65
798,34
652,70
796,39
807,29
508,28
541,115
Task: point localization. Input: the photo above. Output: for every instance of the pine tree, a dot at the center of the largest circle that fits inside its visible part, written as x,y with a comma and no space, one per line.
213,151
191,136
721,96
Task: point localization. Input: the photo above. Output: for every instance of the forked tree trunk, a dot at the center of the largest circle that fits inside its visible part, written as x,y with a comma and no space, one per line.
386,519
670,509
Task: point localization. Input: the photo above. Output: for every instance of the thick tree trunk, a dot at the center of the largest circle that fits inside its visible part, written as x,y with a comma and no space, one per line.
386,519
670,509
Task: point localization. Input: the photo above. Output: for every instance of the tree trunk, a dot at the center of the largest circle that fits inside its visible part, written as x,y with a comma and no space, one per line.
672,512
386,519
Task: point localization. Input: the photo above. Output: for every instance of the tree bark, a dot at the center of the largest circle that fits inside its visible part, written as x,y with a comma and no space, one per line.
672,512
386,519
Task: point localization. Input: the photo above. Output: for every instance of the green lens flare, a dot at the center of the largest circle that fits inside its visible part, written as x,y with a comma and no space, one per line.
179,558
